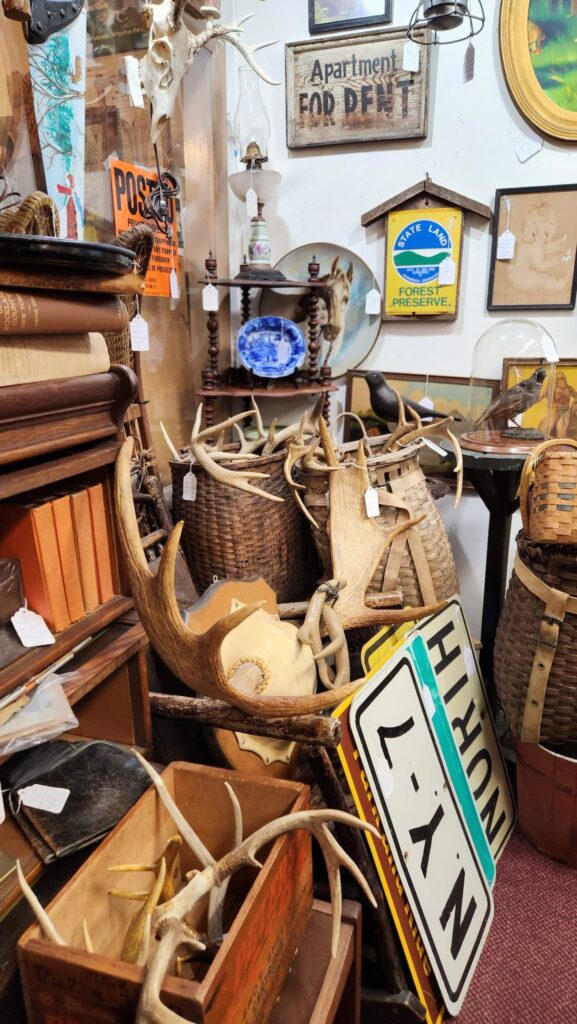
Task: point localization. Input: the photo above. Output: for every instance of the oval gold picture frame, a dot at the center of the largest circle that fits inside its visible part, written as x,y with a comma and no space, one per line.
521,79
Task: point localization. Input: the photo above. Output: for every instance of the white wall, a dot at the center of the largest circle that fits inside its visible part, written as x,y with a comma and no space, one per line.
473,131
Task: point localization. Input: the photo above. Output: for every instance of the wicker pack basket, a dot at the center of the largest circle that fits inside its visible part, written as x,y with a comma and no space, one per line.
230,534
548,493
420,562
536,644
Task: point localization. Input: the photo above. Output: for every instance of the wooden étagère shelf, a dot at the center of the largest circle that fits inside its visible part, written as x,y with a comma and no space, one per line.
229,383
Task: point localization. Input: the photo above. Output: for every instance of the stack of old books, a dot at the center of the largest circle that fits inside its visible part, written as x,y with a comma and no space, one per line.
50,335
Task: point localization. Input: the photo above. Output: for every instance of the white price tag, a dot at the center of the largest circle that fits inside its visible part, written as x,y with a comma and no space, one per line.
447,272
174,285
506,246
133,85
373,302
210,299
429,702
470,661
435,447
427,402
549,350
31,628
528,148
411,56
189,487
139,340
44,798
372,503
251,203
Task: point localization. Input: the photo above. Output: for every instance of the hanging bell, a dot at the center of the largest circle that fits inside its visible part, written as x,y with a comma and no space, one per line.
444,15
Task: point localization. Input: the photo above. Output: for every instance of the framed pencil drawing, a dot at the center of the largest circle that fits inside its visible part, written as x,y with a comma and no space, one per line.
538,56
332,15
541,274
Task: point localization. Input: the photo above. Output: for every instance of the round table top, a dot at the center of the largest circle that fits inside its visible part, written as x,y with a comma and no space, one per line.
487,460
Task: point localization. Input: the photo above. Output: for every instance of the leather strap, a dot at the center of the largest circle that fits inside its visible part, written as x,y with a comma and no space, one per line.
557,604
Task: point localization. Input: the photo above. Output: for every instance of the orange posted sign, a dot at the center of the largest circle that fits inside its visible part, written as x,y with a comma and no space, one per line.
131,186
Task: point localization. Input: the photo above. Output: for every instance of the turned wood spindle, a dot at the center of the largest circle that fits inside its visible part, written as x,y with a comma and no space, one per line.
313,325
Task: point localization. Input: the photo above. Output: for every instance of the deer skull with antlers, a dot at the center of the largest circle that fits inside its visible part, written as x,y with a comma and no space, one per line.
172,48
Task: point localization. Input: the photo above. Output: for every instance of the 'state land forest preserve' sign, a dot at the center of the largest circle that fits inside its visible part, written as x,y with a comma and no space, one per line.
355,90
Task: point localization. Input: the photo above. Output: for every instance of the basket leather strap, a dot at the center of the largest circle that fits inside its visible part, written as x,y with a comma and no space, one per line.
557,604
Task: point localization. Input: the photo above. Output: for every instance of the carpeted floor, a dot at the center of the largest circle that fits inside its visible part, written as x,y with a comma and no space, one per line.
528,969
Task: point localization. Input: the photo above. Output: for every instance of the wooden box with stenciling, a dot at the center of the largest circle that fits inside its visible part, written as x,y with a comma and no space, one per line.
265,915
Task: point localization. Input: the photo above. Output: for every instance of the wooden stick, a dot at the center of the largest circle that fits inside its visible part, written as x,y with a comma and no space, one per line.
313,729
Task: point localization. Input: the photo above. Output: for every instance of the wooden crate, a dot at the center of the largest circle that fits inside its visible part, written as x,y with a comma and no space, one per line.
66,985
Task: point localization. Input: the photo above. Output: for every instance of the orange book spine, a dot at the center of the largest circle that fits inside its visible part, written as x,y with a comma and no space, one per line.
62,512
101,543
29,535
82,523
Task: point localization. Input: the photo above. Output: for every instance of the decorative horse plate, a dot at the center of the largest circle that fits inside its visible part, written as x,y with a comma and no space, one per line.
271,346
347,333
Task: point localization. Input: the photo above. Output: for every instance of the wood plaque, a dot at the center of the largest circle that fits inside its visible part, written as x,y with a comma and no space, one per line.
354,89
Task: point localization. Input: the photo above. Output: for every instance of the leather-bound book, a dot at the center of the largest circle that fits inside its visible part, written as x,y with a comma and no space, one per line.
101,543
82,521
55,313
62,512
28,533
31,358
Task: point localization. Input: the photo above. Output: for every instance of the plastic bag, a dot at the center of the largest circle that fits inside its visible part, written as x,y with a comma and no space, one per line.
47,715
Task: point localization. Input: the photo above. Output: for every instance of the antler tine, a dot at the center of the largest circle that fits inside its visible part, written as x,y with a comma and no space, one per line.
327,444
169,444
244,446
230,35
40,914
218,894
203,435
230,477
458,466
186,830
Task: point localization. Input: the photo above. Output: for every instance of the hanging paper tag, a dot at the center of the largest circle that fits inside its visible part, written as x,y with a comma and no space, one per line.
251,203
174,285
372,503
506,246
31,628
427,402
139,340
210,299
447,272
469,66
411,56
528,148
44,798
133,86
435,447
373,302
549,350
189,486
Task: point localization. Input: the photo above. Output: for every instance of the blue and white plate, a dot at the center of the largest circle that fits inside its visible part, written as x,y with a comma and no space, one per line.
271,346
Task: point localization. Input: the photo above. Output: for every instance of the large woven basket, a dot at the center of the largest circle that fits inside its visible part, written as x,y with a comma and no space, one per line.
548,493
551,716
230,534
420,562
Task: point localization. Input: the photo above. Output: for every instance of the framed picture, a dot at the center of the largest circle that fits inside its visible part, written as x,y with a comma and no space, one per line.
538,55
559,417
419,242
331,15
542,271
353,89
452,396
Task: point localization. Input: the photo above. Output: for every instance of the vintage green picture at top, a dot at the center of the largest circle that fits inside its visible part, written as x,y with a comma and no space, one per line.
552,38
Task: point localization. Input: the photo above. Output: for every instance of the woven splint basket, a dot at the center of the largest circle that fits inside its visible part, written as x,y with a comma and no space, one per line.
536,644
420,562
549,493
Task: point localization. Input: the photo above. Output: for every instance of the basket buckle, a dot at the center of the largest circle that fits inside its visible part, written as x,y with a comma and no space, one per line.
551,620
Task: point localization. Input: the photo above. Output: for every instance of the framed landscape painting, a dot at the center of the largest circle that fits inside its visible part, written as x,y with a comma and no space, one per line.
331,15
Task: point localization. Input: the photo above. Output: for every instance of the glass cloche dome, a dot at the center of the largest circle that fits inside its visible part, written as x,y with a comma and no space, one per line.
521,412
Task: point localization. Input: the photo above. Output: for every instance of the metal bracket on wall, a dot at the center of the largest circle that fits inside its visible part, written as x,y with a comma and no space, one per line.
43,17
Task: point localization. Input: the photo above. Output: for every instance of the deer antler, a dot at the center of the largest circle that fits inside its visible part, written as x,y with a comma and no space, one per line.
310,634
169,927
228,477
